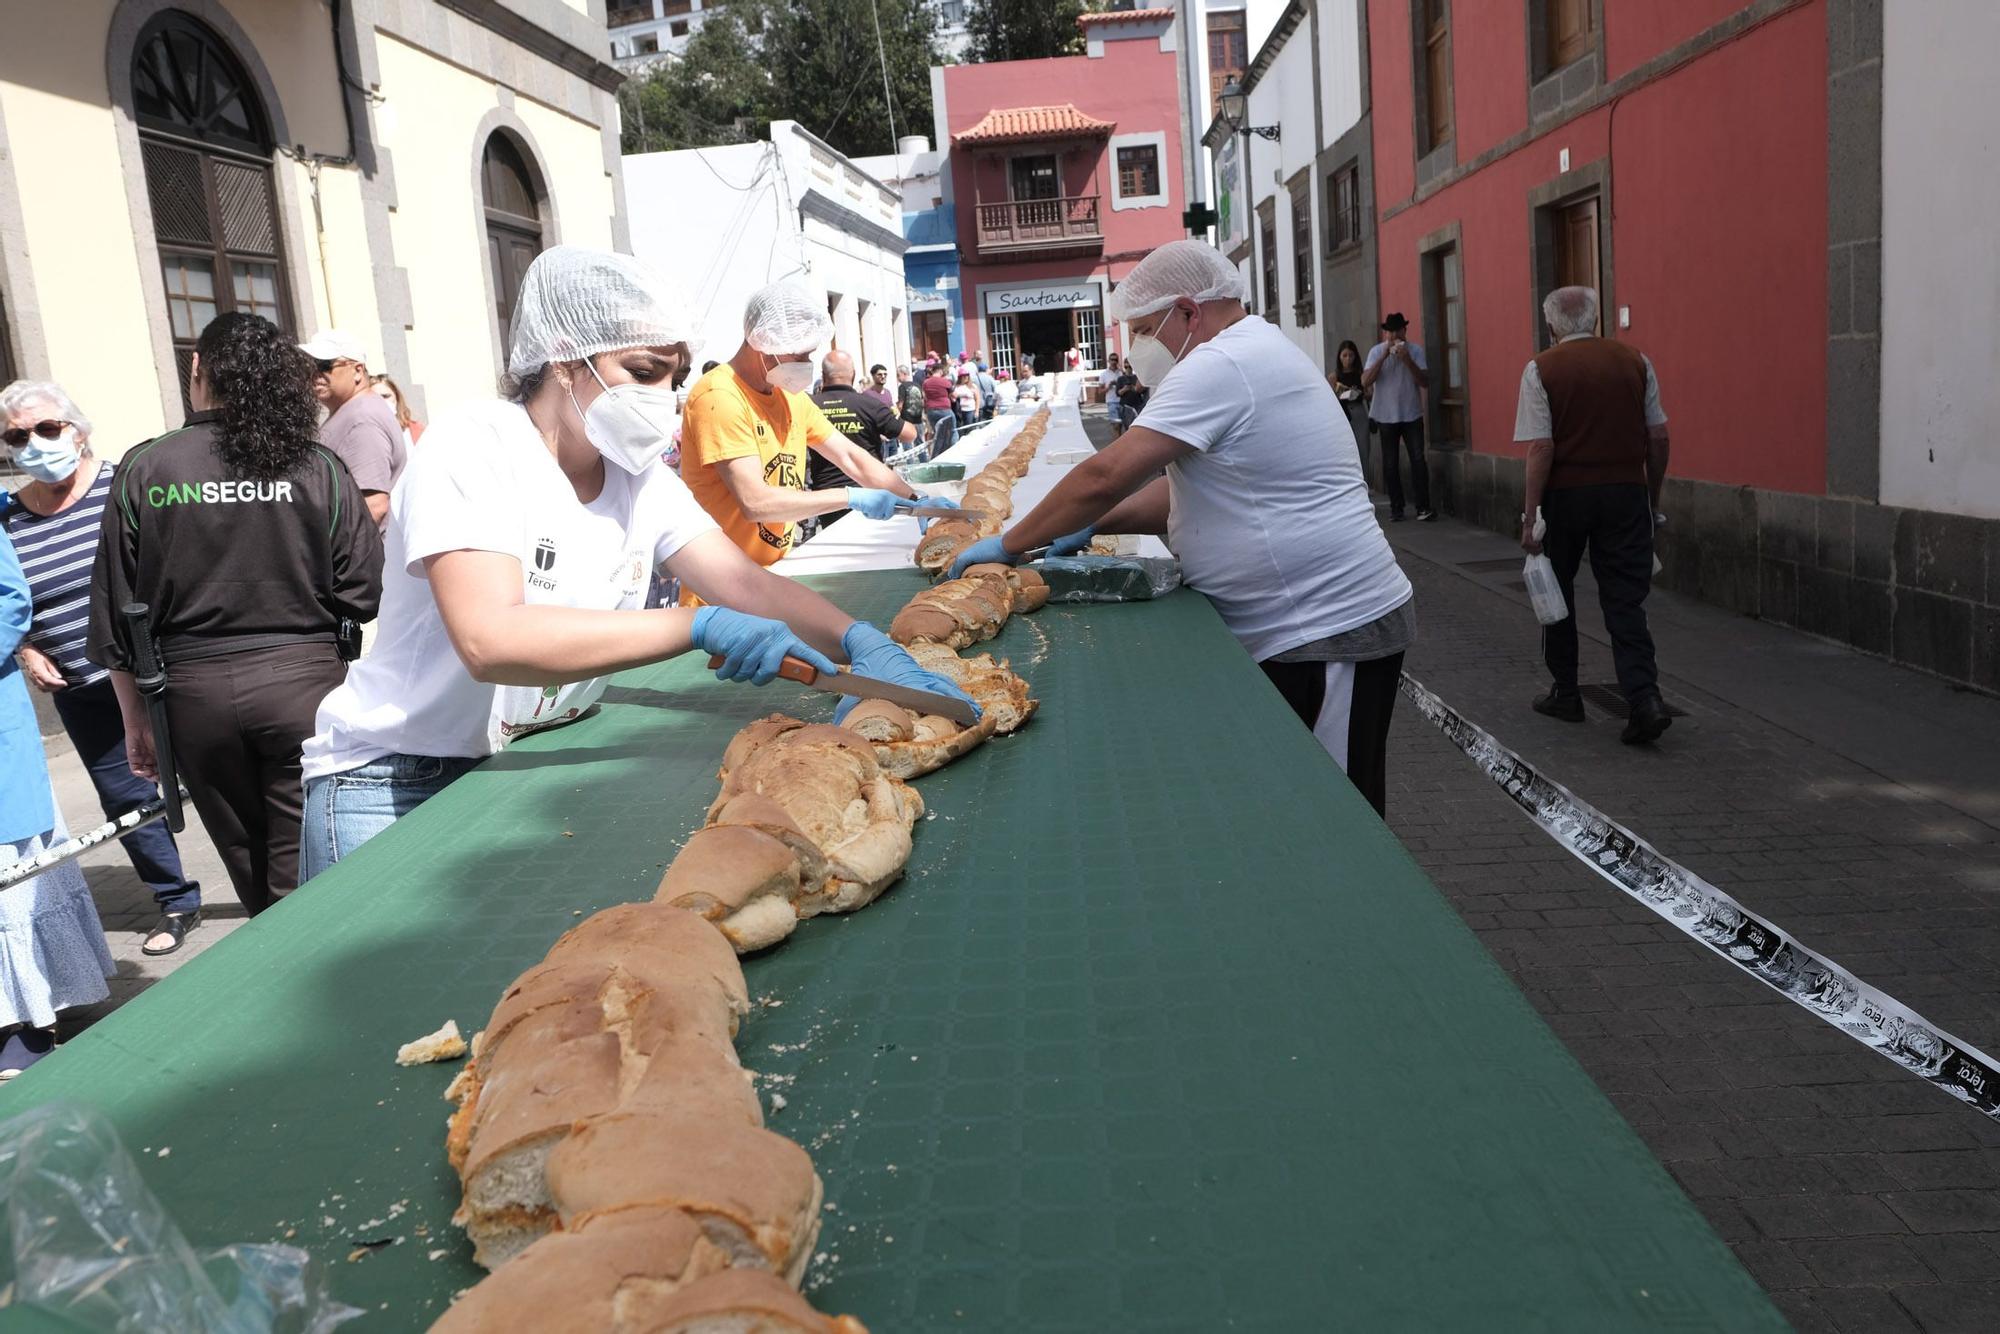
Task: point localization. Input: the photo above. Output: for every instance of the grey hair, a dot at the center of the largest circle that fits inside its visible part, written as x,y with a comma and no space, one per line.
21,393
1571,310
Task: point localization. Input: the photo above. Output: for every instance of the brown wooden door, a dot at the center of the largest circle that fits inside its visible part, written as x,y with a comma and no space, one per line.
513,250
1576,246
1569,31
513,225
1447,344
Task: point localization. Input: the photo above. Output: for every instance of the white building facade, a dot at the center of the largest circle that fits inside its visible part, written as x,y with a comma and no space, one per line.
727,220
645,32
1940,267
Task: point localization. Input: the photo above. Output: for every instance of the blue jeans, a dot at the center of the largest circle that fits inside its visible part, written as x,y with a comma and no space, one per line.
345,810
90,715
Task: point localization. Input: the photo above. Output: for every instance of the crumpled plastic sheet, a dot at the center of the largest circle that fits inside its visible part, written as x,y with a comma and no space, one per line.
1109,578
83,1239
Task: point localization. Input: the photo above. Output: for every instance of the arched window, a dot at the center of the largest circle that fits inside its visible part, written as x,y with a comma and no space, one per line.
513,223
207,143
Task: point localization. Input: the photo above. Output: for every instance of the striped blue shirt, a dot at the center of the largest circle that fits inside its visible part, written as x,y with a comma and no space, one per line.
56,554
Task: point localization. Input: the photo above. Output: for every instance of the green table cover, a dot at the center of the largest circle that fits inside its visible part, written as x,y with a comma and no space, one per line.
1162,1029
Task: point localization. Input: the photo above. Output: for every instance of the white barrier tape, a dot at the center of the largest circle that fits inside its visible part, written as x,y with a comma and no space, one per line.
1718,921
16,872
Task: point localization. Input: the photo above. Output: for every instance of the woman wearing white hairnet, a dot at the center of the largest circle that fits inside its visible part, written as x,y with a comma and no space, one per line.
1263,502
520,544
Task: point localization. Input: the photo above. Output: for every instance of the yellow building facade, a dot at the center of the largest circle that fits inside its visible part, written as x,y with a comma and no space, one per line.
385,167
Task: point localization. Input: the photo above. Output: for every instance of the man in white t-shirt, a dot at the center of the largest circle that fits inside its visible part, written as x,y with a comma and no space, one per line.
1396,377
1263,502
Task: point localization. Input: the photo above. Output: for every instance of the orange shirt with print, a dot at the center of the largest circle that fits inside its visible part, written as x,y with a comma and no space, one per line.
727,419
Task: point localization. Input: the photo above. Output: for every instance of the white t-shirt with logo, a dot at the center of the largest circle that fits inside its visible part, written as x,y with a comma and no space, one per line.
1270,516
485,481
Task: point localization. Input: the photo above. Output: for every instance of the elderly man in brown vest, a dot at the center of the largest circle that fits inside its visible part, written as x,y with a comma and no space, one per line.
1597,456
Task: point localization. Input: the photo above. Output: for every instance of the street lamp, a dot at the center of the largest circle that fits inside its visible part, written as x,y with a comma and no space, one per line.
1235,107
1236,110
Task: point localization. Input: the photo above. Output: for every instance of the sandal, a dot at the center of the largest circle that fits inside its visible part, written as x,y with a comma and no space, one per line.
174,926
24,1046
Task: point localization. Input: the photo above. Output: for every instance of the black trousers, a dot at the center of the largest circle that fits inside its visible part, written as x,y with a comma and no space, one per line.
1369,708
1616,523
239,721
1411,437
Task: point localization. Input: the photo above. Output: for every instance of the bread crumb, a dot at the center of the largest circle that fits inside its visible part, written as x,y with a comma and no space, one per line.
165,1151
778,1102
438,1254
444,1045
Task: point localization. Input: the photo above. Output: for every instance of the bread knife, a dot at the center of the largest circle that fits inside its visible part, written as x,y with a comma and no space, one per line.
867,687
923,511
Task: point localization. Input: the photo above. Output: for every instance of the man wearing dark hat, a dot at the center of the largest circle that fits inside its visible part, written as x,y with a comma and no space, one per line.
1396,372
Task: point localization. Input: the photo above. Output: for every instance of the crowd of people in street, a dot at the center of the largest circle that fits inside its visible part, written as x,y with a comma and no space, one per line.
611,507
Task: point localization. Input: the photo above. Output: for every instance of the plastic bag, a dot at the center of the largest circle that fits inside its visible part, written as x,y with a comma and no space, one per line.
1109,578
84,1240
1540,577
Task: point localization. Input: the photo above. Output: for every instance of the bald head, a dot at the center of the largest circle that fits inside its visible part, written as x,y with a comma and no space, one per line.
838,368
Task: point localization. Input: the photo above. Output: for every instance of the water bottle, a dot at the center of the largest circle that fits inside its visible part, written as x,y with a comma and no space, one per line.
1544,594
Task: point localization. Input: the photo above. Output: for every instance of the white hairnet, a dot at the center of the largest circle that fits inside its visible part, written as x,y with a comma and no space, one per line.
49,396
785,319
1192,269
576,302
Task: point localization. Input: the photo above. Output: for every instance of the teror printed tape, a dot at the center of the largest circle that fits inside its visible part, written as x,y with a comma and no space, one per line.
1704,912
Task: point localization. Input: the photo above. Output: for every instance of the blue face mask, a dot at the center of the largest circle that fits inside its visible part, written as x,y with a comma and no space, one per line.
49,460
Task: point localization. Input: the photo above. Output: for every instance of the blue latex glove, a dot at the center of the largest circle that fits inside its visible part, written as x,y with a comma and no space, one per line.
924,524
752,648
871,502
986,551
873,653
1074,543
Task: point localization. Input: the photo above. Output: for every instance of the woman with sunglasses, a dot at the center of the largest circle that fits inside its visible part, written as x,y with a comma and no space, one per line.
250,544
53,521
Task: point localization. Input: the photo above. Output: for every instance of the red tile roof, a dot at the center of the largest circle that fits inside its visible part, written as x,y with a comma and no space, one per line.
1008,125
1125,16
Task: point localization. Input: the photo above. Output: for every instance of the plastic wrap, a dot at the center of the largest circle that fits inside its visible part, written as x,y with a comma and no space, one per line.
1109,578
82,1239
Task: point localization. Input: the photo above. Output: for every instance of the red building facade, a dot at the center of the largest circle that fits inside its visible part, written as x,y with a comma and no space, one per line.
1674,156
1064,173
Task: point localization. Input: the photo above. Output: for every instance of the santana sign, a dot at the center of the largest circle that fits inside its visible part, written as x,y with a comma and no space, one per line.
1017,300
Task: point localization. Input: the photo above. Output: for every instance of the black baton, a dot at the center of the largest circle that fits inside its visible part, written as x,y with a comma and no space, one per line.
150,676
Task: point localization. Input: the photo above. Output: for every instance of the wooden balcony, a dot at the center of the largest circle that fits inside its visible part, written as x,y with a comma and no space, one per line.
1040,224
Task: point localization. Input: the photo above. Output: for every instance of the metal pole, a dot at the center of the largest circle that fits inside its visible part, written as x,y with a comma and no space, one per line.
76,846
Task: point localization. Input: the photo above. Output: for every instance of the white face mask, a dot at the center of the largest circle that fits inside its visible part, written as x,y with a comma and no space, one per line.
1150,359
794,377
631,425
50,461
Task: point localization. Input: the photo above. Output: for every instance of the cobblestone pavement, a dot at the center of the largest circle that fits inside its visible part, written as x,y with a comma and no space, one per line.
1853,803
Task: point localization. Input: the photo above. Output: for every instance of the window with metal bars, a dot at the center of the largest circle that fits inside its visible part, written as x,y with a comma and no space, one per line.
1267,243
205,143
1304,258
1000,343
1343,204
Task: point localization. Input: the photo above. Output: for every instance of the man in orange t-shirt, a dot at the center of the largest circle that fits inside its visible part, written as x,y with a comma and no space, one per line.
749,423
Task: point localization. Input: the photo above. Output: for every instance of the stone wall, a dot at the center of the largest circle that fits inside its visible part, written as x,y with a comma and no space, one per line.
1918,587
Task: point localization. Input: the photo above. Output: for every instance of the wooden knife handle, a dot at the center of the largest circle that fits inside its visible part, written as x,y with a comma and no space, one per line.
792,669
